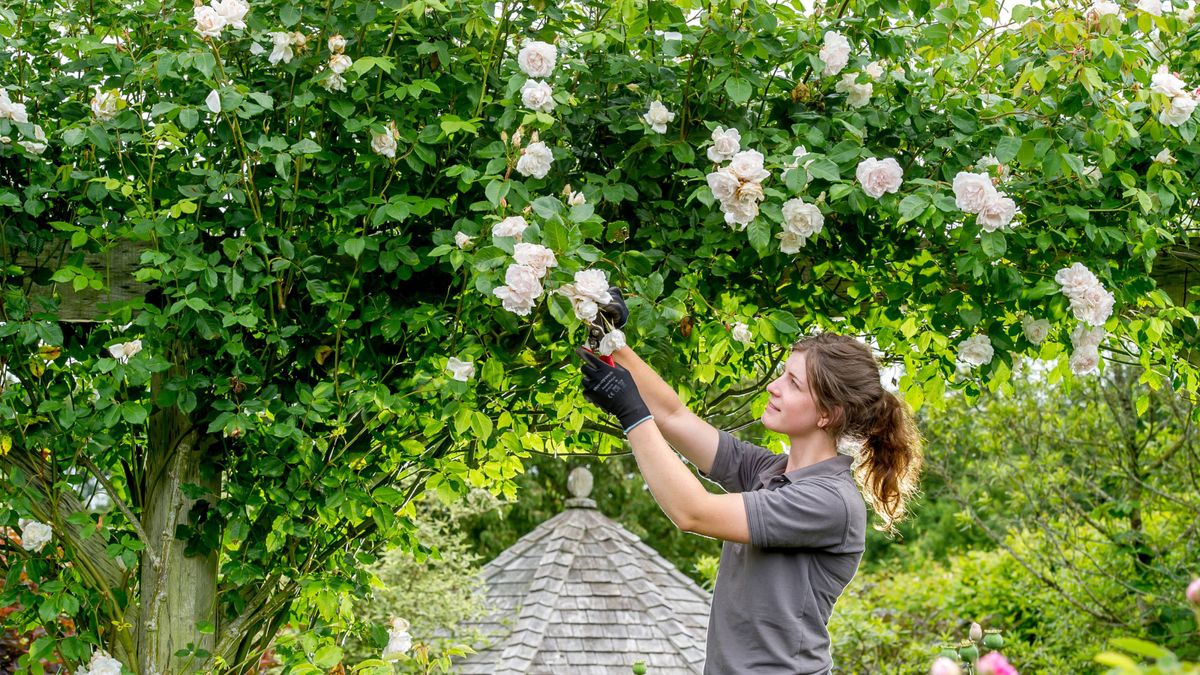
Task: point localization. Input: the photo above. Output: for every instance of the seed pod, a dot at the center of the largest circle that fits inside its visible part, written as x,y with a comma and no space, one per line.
639,668
976,633
993,641
970,653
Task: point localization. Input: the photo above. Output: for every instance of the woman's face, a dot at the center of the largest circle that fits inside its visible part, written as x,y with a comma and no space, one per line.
792,410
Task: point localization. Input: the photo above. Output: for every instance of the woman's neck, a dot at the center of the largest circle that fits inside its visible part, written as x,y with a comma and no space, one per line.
810,449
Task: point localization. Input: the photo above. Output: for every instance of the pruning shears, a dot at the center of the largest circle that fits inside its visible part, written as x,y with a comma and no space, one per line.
595,334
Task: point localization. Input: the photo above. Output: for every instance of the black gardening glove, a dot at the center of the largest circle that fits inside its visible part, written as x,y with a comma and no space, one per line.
612,389
612,315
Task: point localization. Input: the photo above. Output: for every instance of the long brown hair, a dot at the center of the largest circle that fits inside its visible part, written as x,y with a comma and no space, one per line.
844,377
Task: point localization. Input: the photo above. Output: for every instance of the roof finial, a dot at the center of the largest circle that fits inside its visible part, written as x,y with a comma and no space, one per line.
579,484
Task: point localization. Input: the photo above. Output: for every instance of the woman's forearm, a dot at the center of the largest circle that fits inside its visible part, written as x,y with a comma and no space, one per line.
677,491
658,395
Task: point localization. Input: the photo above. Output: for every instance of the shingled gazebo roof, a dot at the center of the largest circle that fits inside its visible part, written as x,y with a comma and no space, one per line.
580,594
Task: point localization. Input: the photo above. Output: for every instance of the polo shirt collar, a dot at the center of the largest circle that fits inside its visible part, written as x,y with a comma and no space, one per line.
828,467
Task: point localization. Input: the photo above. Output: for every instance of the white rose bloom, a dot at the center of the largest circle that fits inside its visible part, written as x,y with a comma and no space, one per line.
1092,306
1179,112
1036,330
873,70
658,117
1164,157
535,256
1085,337
857,95
611,342
1167,83
34,534
282,48
1187,15
741,333
340,63
742,208
13,111
878,177
1075,279
208,22
1103,8
1150,6
798,152
835,53
973,191
463,240
297,39
514,302
725,144
790,242
256,49
384,142
524,280
585,308
337,44
723,183
593,284
747,165
512,226
213,101
537,95
103,664
537,59
998,212
105,104
233,12
334,82
460,370
399,641
125,350
1084,360
1092,173
801,218
976,350
38,145
577,199
535,160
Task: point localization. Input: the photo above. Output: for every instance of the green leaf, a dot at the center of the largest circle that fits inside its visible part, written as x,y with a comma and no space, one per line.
289,15
555,236
1140,647
1007,149
912,206
306,147
73,137
760,235
825,169
355,246
10,199
739,90
133,412
188,118
205,62
328,656
683,152
547,207
993,244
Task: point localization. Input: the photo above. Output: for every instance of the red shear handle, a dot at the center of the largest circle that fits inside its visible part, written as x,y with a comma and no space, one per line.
606,359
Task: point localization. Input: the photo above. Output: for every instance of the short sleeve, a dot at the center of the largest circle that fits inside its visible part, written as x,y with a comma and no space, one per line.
798,515
738,464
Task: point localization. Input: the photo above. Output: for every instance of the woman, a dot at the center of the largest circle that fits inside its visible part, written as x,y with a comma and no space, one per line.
794,525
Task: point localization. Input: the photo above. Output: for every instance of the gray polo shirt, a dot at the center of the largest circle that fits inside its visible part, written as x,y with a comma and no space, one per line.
773,597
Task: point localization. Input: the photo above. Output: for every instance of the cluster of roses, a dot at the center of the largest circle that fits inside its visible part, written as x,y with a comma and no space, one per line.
35,141
1091,304
537,60
1181,101
975,193
213,18
738,185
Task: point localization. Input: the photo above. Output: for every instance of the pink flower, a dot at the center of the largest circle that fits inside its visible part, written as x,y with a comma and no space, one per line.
944,666
1193,592
994,663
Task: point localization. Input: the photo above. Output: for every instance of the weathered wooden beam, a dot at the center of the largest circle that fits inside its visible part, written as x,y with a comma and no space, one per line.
116,266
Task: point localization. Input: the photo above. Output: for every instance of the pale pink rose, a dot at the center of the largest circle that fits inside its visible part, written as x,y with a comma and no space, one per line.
106,103
658,117
725,144
1075,279
873,70
801,218
723,183
34,534
337,44
524,280
1150,6
340,63
233,12
463,240
281,48
742,207
1093,305
741,333
857,95
537,257
611,342
1084,360
512,226
535,160
994,663
208,22
513,301
747,165
593,284
1102,8
1167,83
976,350
790,242
384,142
1164,157
585,308
835,53
537,59
1178,112
1087,337
460,370
537,95
972,191
1036,330
878,177
998,212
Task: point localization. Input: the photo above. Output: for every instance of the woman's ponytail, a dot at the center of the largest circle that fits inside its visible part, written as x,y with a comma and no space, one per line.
890,465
